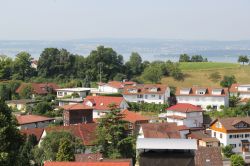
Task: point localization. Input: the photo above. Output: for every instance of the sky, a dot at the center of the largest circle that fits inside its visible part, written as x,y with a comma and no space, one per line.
163,19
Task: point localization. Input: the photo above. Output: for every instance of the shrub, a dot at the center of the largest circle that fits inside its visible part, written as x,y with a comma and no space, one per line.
237,160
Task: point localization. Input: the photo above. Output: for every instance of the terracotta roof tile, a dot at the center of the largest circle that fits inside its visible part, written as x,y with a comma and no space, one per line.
39,88
76,107
184,107
234,88
35,131
103,102
145,89
208,156
88,157
86,132
103,163
133,116
26,119
208,92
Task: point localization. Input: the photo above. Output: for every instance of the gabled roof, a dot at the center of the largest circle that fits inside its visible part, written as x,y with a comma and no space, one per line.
118,84
103,102
162,130
83,157
133,116
35,131
184,107
202,135
208,156
229,123
234,88
86,132
145,89
79,106
26,119
39,88
208,91
103,163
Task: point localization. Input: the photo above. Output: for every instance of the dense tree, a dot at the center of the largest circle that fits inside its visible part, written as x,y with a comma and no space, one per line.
120,77
26,92
228,81
243,59
234,100
112,141
153,74
10,137
198,58
237,160
5,92
5,67
184,58
22,66
42,108
66,151
134,65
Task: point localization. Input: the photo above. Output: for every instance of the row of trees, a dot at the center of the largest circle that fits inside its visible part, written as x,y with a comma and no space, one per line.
194,58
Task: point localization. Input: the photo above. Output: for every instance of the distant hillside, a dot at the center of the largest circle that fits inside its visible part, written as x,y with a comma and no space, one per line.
198,74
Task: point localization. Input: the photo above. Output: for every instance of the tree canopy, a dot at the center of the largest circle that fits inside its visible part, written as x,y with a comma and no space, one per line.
228,81
243,59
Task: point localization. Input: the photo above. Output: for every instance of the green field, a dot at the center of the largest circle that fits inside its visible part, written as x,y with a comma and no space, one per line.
197,73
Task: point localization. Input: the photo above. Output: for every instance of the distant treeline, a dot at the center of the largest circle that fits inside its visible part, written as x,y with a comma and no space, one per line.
194,58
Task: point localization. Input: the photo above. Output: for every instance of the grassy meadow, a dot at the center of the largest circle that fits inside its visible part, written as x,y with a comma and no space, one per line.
197,73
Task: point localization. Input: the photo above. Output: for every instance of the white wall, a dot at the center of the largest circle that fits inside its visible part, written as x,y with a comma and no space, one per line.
147,98
107,89
82,94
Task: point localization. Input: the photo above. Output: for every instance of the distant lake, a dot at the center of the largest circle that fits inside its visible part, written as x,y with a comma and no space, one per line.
149,49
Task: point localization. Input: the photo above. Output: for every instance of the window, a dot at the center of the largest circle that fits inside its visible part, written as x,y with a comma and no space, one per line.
146,96
239,144
65,93
233,145
139,96
159,96
214,134
230,136
215,107
59,93
220,135
152,95
247,135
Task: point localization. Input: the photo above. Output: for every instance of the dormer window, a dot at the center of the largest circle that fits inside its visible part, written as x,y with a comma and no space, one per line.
185,91
242,125
217,91
201,91
153,90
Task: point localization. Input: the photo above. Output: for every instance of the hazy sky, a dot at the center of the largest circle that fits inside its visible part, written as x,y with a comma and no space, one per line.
169,19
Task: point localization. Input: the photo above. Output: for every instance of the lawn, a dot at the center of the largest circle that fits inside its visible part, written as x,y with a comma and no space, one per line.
198,74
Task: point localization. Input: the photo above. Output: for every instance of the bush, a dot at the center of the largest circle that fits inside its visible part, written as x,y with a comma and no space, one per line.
147,107
227,151
237,160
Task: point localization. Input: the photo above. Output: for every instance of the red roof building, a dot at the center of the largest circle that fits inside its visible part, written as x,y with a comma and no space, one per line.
33,121
101,163
243,90
86,132
114,86
40,88
35,131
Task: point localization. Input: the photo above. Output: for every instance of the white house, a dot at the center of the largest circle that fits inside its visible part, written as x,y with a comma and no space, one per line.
148,93
184,114
233,131
242,89
82,92
100,104
33,121
216,98
114,86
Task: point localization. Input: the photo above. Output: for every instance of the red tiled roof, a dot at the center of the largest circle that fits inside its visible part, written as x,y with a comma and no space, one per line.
103,102
162,130
86,132
133,116
145,89
76,107
184,107
88,157
234,89
35,131
176,117
208,91
228,123
103,163
117,84
39,88
208,156
26,119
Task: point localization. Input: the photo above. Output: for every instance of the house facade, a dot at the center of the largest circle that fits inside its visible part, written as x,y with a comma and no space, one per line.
215,98
76,114
184,114
204,138
233,131
100,104
114,86
22,105
242,89
67,92
147,93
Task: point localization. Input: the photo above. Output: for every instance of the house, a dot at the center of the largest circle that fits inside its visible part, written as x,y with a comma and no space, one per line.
96,163
216,98
86,132
68,101
242,89
68,92
147,93
77,113
34,63
234,131
114,86
22,104
134,121
165,151
33,121
203,138
82,157
101,104
184,114
208,156
163,130
33,131
39,88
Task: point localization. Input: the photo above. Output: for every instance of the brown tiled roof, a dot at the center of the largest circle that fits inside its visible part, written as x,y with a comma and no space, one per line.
103,102
208,91
201,135
102,163
86,132
145,89
35,131
176,117
228,123
76,107
26,119
88,157
133,116
184,107
208,156
162,130
39,88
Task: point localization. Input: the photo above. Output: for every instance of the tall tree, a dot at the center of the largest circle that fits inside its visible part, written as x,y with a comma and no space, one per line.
66,151
10,137
5,67
228,81
243,59
135,64
22,66
184,58
153,73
